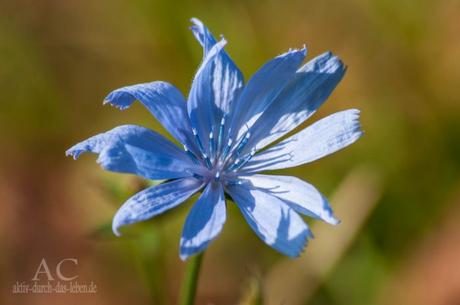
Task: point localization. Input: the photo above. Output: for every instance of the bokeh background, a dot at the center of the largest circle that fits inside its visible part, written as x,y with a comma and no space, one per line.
397,190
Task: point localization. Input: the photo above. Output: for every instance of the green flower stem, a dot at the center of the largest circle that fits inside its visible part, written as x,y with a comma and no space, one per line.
190,283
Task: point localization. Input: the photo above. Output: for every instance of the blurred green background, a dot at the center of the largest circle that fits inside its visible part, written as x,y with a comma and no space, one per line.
397,190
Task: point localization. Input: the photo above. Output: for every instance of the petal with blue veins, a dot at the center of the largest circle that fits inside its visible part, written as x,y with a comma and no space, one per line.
154,201
303,197
227,78
137,150
323,138
278,225
202,110
204,222
309,88
203,35
164,101
263,87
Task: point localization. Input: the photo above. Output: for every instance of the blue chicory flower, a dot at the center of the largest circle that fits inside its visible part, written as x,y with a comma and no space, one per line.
225,128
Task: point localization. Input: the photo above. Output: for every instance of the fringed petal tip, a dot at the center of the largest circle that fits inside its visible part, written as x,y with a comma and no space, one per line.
92,144
328,63
354,118
300,52
119,100
307,236
74,153
298,245
120,107
76,150
354,113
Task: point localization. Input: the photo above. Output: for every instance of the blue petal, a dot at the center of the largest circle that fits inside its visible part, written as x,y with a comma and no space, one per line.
137,150
303,197
263,87
204,222
311,86
154,201
278,225
203,35
164,101
227,78
316,141
202,109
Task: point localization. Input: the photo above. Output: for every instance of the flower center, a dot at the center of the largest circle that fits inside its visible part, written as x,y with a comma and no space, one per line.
221,160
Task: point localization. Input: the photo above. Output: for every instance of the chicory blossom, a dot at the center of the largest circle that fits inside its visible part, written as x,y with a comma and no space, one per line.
225,129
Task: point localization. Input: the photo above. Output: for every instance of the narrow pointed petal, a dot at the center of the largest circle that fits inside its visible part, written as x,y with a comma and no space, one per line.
227,78
323,138
203,35
164,101
202,110
278,225
263,87
204,222
311,86
137,150
303,197
154,201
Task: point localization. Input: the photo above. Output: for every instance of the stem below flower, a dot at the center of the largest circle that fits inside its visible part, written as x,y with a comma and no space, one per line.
188,290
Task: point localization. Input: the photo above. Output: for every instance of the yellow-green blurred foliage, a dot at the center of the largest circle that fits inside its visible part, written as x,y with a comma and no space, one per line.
398,241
